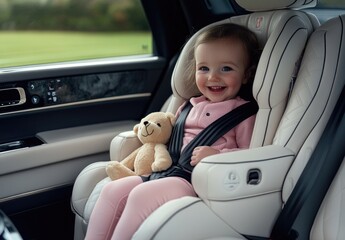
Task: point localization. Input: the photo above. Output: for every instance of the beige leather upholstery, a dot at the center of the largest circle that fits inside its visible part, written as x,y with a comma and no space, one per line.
315,93
329,223
228,207
282,35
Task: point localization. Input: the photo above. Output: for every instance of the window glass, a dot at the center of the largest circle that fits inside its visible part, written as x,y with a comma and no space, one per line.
46,31
332,3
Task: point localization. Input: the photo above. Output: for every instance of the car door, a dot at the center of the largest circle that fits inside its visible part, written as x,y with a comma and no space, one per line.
56,118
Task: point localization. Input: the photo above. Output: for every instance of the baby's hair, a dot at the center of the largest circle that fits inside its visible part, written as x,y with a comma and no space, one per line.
227,30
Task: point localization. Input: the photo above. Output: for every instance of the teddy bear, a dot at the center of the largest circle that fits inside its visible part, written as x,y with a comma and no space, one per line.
154,132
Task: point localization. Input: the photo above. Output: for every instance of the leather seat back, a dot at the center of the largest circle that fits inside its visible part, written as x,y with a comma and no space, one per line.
319,85
329,222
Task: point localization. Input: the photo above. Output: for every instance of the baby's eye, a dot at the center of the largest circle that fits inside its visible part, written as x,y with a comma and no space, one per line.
203,68
158,124
226,69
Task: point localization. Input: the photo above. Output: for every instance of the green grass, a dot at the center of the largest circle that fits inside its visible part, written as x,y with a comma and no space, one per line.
25,48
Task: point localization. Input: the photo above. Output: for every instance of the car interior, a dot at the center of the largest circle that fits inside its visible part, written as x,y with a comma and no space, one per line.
287,185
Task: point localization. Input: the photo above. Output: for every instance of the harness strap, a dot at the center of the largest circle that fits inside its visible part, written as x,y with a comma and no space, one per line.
176,138
209,135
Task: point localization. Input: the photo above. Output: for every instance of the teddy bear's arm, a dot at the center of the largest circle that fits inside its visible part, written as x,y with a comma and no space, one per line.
162,158
129,160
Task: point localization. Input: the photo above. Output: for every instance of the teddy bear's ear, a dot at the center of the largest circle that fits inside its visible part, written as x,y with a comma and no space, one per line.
136,128
171,117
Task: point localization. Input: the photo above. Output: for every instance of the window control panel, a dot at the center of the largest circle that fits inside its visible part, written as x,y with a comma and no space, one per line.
70,89
83,88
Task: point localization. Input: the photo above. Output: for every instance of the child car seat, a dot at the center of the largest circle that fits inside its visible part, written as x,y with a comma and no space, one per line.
282,35
241,194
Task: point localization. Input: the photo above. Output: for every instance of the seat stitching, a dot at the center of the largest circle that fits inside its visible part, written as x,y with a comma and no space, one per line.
320,80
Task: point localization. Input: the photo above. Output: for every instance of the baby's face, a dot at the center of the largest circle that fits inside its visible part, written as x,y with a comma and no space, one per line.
220,68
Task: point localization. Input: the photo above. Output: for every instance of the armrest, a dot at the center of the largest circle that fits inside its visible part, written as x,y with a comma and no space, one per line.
123,144
229,176
85,183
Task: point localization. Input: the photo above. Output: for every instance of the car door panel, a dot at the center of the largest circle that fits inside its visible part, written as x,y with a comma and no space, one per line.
78,110
58,160
53,141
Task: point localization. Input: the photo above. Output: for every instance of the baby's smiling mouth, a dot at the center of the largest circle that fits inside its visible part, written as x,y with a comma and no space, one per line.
216,88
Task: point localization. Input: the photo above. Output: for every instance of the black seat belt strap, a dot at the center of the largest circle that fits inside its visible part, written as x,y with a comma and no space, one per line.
297,217
217,129
176,138
210,134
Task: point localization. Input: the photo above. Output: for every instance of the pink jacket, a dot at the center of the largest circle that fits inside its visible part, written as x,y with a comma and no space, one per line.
204,113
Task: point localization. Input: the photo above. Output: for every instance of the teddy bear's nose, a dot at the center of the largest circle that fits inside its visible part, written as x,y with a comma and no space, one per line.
146,122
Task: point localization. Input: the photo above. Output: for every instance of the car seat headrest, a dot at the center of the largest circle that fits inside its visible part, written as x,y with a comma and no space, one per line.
263,24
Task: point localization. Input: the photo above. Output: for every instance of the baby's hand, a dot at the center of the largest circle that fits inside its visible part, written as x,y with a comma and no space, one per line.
202,152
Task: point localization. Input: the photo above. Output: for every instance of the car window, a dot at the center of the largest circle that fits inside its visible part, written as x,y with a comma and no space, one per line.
49,31
332,3
327,9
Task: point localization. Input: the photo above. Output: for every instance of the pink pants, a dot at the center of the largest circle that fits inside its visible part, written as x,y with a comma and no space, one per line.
125,203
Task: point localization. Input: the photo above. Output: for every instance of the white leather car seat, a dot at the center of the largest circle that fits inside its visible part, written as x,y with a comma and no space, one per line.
282,35
231,207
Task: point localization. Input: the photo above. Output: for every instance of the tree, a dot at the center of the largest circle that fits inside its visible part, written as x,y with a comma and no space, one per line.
76,15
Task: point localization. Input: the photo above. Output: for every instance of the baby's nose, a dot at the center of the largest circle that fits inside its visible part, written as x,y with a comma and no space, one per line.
213,76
